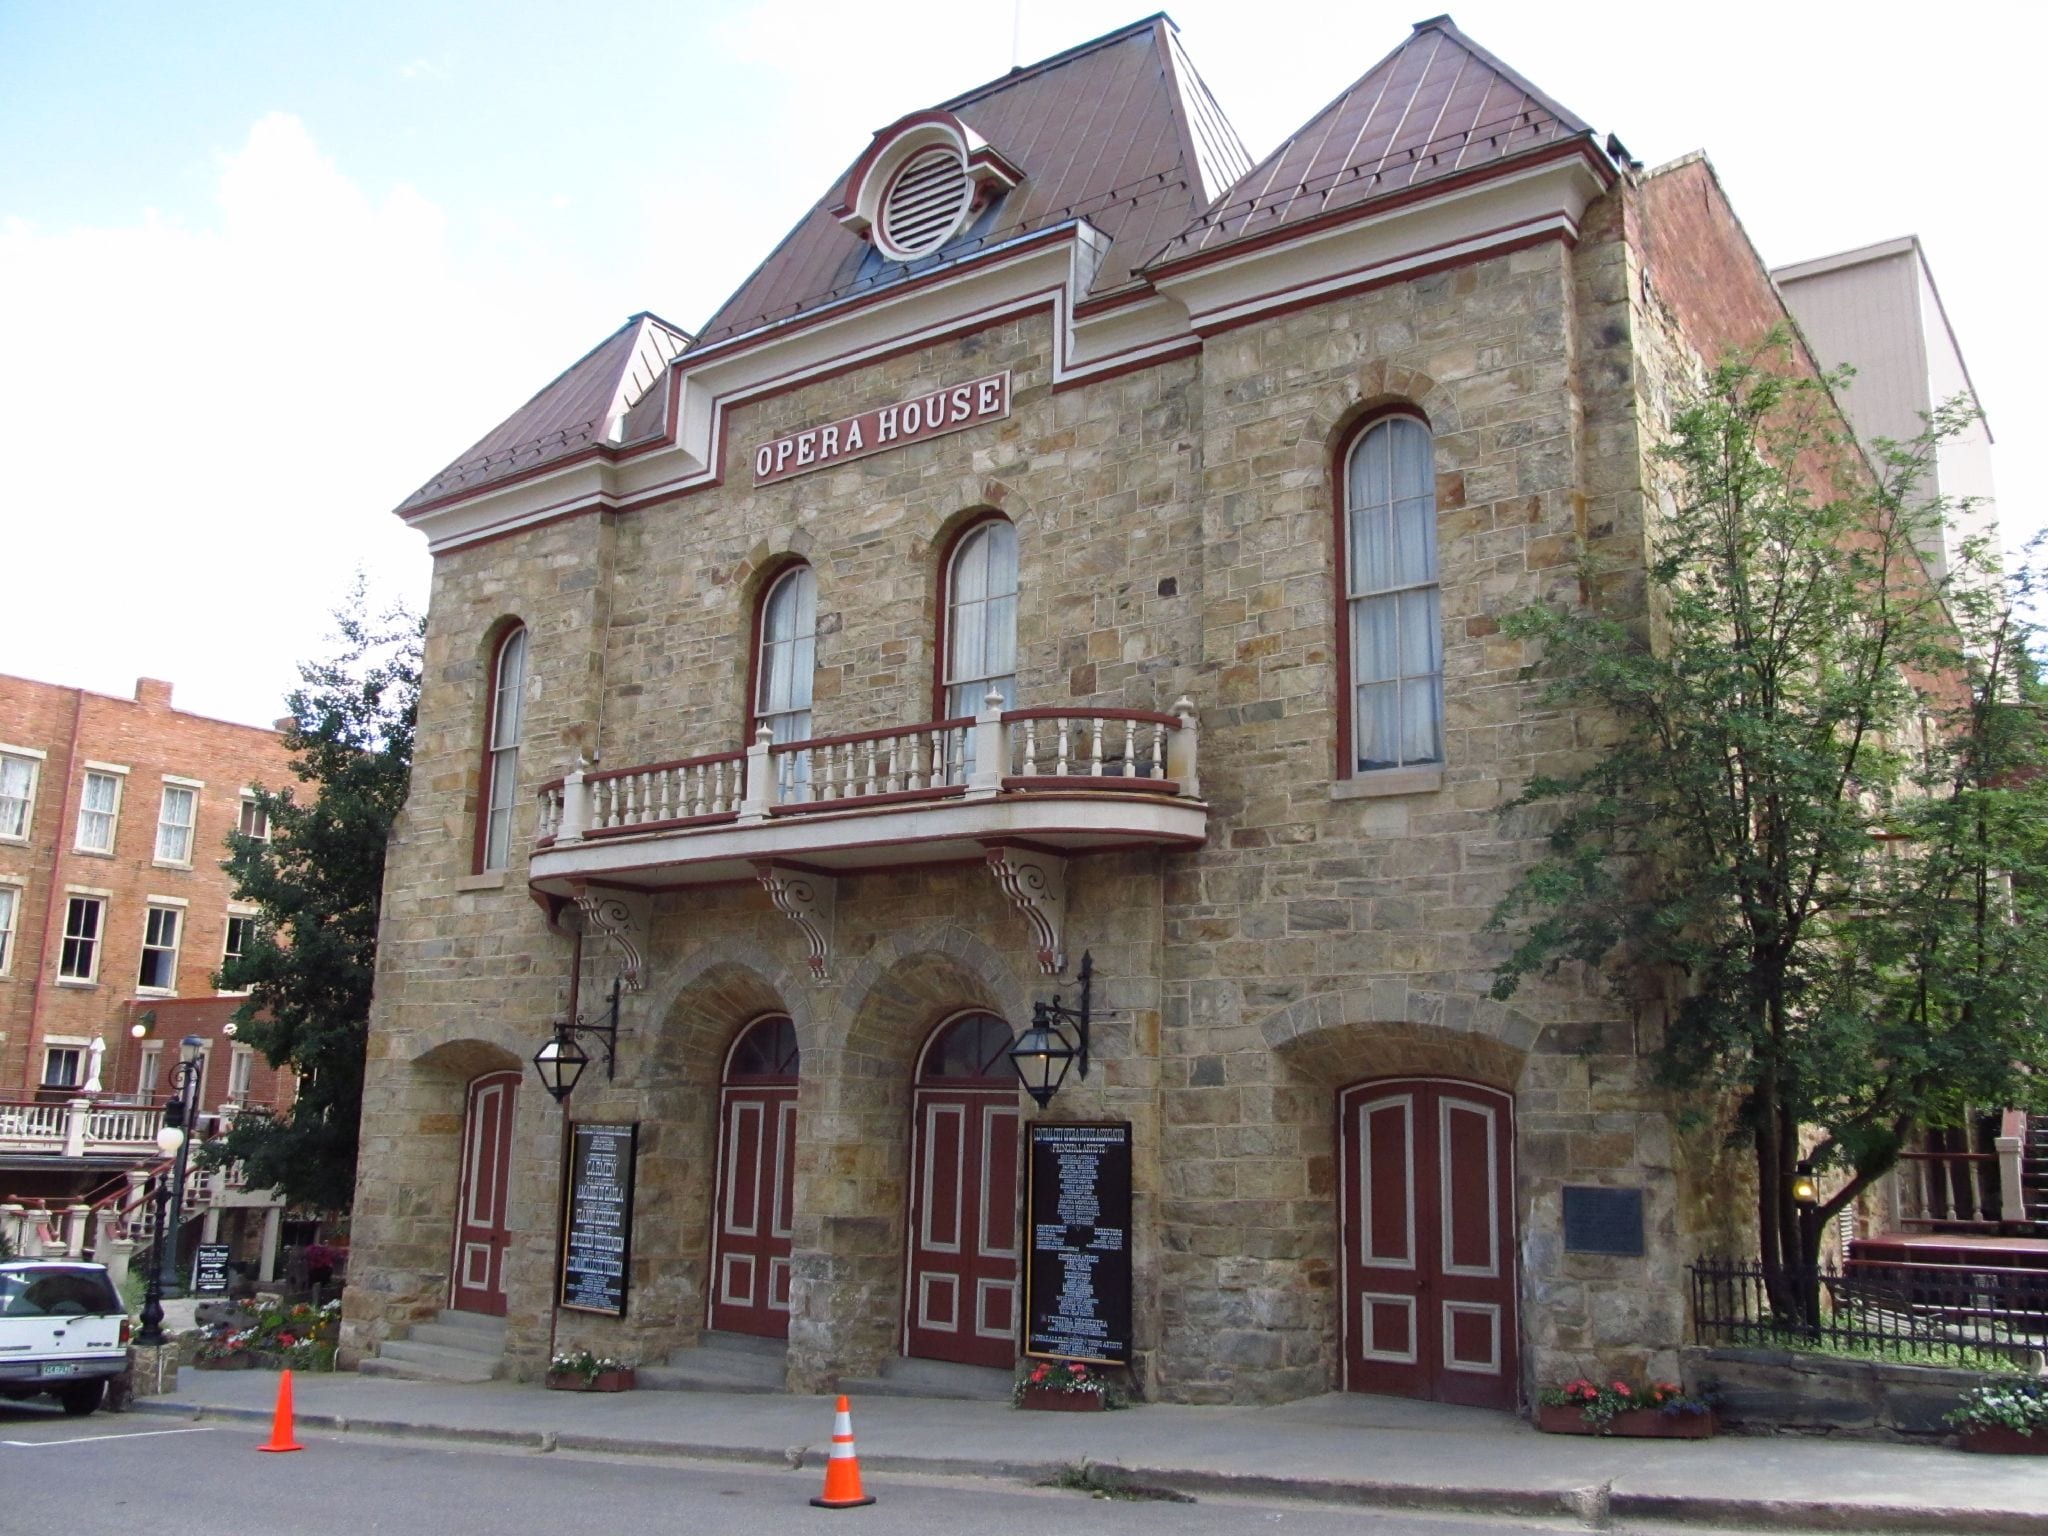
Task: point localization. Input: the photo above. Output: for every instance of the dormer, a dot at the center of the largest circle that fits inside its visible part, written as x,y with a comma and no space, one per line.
920,183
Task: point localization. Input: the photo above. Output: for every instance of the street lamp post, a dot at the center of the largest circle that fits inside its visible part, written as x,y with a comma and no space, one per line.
181,1119
152,1334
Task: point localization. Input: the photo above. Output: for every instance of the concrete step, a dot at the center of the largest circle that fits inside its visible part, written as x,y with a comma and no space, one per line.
934,1378
721,1362
475,1322
416,1370
453,1364
476,1341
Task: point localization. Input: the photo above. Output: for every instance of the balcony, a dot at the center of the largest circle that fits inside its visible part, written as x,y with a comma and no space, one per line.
1021,790
79,1128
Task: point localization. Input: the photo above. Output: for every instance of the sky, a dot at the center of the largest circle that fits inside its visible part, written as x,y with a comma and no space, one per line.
265,268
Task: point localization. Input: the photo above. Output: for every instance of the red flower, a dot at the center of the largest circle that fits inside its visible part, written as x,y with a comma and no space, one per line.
1621,1387
1038,1373
1078,1370
286,1340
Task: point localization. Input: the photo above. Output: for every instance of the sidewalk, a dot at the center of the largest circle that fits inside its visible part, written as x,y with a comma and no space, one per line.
1338,1448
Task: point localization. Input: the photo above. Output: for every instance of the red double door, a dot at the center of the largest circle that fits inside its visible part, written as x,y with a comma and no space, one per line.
750,1261
963,1293
1429,1258
482,1231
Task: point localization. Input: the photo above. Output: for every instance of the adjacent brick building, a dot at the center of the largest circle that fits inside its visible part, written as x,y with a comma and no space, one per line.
1073,538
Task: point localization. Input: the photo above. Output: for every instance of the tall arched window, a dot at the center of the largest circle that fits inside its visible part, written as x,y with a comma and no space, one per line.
501,752
981,619
789,642
1391,597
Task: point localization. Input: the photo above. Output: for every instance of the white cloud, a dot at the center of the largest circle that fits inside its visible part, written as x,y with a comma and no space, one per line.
208,426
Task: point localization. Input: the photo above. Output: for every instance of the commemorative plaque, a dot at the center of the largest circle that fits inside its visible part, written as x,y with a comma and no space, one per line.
1077,1275
597,1218
1603,1220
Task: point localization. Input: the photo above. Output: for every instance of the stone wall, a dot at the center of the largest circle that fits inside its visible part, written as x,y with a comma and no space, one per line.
1775,1391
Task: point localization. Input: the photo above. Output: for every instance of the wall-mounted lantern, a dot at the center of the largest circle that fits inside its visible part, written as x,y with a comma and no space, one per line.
560,1062
1043,1052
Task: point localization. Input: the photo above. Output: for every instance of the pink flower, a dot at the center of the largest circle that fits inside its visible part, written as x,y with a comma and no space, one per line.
1621,1387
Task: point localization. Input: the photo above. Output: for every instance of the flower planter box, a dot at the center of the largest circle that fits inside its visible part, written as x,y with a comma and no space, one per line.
1635,1424
603,1381
1046,1401
1997,1440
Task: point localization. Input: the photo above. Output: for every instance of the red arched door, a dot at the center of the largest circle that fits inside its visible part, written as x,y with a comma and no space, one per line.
961,1301
482,1233
756,1180
1429,1240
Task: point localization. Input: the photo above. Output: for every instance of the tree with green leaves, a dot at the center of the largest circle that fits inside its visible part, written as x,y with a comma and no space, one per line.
1821,822
317,883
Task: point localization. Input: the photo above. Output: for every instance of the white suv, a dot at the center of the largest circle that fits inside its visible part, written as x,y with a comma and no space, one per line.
63,1331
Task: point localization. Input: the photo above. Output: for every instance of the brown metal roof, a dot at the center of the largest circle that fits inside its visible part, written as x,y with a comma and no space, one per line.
1120,130
569,414
1436,106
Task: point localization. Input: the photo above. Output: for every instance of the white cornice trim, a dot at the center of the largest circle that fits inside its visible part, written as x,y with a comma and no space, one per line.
1047,269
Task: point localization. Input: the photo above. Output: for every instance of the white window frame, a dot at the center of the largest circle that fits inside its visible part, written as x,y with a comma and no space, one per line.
501,750
237,913
173,785
69,1046
1389,590
31,759
149,1069
241,1068
160,906
249,803
981,621
12,892
116,775
98,939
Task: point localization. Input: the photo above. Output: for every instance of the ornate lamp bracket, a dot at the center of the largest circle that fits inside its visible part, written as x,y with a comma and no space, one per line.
621,917
808,900
1036,884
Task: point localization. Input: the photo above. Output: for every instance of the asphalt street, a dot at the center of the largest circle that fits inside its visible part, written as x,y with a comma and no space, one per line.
112,1475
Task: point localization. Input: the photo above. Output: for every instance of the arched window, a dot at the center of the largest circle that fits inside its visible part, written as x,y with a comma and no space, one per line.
1391,597
981,619
788,656
970,1050
501,749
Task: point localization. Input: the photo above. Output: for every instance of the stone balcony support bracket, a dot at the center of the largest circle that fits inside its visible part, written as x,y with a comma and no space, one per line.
809,900
621,919
1036,884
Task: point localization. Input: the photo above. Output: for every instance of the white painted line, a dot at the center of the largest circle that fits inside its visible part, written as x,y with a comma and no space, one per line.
140,1434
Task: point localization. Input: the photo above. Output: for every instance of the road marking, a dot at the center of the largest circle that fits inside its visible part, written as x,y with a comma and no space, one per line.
140,1434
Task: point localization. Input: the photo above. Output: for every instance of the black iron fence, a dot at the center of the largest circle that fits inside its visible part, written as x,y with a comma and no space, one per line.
1931,1313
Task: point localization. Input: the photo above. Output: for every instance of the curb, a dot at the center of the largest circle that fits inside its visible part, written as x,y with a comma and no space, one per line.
1593,1505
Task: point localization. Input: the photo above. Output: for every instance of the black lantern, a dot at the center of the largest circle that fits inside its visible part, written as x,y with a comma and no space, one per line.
561,1061
1805,1192
1043,1052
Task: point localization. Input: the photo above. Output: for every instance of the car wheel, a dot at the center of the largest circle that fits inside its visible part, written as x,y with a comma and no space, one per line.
81,1397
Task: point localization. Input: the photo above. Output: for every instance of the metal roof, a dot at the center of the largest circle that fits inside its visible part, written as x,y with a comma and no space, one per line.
1120,130
569,414
1436,106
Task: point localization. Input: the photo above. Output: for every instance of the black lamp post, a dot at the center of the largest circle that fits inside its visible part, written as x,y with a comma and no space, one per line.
560,1062
1043,1052
175,1139
1806,1197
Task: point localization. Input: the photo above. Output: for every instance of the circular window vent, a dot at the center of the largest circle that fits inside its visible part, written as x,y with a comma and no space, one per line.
925,203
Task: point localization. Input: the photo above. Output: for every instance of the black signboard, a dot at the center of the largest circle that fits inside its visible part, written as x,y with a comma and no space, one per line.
597,1217
1603,1220
1077,1276
210,1270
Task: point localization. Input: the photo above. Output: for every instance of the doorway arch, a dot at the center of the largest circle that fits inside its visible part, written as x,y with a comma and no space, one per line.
750,1230
962,1287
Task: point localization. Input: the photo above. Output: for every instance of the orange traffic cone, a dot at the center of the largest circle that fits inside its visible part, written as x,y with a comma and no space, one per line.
281,1427
842,1469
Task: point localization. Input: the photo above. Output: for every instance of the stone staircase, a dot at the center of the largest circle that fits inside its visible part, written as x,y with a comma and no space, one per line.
903,1377
457,1346
721,1362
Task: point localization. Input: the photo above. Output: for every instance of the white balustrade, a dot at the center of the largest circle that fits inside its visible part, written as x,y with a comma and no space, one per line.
917,758
636,797
1085,745
123,1127
32,1127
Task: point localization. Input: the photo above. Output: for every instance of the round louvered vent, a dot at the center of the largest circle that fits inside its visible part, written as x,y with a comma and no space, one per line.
924,204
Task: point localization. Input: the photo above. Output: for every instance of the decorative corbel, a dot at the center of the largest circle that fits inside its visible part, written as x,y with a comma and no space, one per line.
1036,884
807,899
621,919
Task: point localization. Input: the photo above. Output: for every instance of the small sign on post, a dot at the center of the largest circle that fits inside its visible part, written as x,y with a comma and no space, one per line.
597,1217
210,1270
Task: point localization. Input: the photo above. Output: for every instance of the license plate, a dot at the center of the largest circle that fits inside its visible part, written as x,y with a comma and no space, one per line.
60,1368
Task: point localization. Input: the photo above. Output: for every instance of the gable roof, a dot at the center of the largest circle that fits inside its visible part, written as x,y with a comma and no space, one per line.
569,415
1437,106
1121,131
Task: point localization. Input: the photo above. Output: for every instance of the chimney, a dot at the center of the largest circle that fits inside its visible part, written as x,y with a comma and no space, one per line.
153,692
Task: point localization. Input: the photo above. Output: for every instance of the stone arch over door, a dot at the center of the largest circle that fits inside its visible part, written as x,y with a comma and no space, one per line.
853,1141
701,1006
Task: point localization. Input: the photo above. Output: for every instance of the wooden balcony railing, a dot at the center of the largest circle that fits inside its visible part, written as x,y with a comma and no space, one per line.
997,752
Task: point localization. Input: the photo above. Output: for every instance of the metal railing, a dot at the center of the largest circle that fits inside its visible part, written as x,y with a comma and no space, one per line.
997,752
1923,1312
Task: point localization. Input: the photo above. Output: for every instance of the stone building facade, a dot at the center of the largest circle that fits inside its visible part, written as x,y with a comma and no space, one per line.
1350,1163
